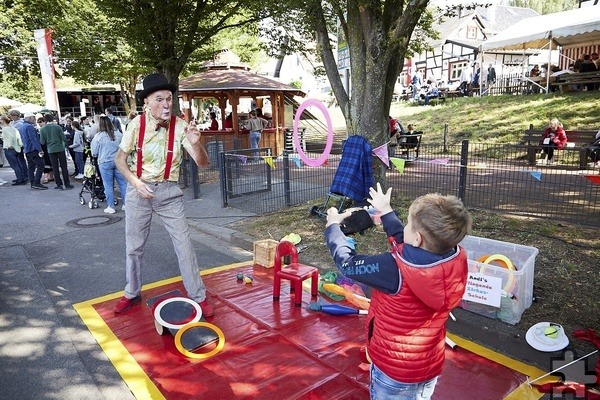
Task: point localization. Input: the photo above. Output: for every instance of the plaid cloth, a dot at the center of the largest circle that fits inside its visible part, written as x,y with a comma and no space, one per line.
354,175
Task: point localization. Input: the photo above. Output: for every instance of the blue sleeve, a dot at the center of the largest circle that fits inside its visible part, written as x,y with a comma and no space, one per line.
377,271
392,226
33,138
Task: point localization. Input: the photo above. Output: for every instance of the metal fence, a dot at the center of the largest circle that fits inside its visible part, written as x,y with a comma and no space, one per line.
492,177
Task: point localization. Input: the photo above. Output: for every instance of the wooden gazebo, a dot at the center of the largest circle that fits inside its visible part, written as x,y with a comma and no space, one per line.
229,81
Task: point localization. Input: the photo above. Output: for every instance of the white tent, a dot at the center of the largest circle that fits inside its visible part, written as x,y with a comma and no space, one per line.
568,28
6,102
29,107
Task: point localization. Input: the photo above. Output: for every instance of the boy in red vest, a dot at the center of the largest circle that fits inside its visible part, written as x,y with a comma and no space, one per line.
415,286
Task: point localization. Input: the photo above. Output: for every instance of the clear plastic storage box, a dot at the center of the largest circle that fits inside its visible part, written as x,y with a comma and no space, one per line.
517,283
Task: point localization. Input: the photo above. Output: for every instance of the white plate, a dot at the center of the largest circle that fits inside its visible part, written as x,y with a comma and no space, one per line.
543,342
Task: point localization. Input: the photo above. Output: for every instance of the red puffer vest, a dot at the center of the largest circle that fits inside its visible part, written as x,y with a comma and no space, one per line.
407,331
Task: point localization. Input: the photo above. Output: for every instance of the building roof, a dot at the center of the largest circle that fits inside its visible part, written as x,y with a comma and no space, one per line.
493,20
497,18
218,80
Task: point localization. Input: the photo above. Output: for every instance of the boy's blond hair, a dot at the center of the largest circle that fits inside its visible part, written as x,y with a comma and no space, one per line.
442,221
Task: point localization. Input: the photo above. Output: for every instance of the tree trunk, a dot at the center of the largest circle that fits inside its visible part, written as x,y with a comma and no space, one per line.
172,70
377,35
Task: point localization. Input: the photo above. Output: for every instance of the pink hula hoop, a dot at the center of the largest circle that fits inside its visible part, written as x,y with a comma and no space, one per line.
317,162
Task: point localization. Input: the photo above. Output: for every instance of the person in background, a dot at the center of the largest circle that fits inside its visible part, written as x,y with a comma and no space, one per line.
13,150
491,75
432,92
53,137
214,124
48,172
595,59
85,123
115,121
466,76
69,134
78,147
105,146
417,82
255,125
554,137
587,65
395,131
415,287
228,123
94,126
33,151
153,188
16,120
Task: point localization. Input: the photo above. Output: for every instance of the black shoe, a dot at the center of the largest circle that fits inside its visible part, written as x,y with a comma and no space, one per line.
39,186
15,180
69,187
59,187
19,183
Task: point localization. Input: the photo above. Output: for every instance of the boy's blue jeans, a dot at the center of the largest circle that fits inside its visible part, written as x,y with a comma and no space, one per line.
385,388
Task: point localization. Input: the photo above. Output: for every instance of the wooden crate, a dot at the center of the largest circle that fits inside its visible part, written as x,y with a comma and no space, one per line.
264,252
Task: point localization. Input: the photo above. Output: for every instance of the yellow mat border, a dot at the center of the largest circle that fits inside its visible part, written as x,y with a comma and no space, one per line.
142,386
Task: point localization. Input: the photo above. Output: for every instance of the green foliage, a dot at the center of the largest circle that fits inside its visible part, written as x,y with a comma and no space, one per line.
546,6
296,84
28,91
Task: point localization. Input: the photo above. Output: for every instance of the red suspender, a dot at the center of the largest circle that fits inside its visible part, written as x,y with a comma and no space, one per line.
170,145
170,148
140,143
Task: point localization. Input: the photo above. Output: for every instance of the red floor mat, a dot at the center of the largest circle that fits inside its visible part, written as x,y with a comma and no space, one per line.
274,350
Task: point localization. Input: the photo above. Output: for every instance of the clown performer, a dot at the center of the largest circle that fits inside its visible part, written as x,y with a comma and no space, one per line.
154,142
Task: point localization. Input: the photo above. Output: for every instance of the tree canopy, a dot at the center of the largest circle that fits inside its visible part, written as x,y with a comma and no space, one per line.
117,41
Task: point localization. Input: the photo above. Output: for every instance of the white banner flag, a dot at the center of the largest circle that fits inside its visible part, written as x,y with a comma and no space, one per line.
43,41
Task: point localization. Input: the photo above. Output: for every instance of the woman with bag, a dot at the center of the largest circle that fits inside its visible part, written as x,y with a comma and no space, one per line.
104,146
554,137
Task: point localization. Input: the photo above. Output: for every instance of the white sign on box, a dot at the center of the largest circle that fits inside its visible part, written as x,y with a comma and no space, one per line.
483,289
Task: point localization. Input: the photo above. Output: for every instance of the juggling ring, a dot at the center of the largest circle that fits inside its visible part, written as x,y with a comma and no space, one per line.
199,356
505,263
169,325
317,162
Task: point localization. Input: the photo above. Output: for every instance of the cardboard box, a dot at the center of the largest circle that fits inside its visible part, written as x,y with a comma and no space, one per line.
516,288
264,252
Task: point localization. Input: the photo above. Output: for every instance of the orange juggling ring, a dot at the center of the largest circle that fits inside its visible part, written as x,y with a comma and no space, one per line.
504,262
199,356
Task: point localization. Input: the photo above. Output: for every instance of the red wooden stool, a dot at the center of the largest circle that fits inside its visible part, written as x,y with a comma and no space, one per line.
296,273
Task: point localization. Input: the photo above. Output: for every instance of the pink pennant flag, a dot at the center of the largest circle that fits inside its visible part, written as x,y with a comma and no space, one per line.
382,153
442,161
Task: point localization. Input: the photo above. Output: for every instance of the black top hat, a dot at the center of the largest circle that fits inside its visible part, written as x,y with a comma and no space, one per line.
153,83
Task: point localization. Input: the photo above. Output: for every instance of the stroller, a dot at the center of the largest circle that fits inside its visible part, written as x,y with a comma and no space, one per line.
353,178
92,184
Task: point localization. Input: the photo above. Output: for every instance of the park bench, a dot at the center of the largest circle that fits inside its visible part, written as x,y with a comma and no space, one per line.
565,81
408,146
576,140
